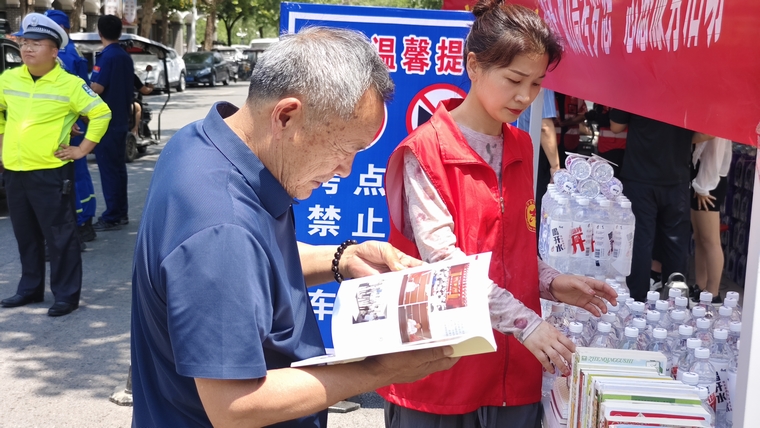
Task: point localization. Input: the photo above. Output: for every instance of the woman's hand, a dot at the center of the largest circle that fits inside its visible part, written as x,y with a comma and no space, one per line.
704,200
551,348
372,258
583,292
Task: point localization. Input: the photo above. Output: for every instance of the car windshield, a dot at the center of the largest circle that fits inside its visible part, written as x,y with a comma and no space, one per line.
198,58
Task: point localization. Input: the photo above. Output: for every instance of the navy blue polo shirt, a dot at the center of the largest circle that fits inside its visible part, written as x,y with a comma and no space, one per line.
217,288
113,70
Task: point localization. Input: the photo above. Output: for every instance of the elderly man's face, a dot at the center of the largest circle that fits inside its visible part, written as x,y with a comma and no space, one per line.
330,148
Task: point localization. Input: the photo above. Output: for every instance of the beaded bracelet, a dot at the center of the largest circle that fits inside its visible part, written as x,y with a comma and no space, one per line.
336,260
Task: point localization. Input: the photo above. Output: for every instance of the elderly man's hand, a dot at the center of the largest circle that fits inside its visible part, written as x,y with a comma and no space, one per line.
69,152
412,365
583,292
373,257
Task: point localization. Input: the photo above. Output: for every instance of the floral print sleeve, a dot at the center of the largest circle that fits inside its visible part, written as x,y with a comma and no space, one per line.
430,225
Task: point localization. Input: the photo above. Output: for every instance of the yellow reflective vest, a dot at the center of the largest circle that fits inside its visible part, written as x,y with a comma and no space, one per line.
39,116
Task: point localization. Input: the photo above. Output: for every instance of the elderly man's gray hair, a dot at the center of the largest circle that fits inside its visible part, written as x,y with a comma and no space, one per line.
328,69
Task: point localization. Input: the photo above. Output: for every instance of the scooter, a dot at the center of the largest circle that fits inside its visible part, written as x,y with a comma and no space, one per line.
138,143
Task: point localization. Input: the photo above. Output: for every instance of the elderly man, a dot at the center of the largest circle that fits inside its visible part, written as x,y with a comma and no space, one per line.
41,102
220,306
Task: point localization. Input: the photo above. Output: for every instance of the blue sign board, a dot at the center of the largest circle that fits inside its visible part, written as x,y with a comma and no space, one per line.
424,52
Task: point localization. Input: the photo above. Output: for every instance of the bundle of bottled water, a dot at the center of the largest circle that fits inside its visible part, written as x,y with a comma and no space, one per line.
701,344
587,225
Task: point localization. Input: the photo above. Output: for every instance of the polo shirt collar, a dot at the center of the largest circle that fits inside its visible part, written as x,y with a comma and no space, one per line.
271,193
50,75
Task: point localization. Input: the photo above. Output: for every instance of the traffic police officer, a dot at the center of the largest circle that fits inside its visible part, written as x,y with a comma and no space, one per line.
41,102
112,78
85,191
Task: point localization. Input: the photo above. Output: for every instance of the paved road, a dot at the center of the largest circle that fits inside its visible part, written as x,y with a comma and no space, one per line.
59,372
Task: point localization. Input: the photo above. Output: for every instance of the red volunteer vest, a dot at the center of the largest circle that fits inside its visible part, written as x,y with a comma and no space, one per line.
573,107
484,220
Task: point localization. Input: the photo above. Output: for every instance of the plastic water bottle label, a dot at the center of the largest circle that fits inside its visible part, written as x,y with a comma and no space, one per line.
580,239
559,238
722,395
603,240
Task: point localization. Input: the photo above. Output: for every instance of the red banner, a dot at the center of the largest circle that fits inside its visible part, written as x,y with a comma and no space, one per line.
691,63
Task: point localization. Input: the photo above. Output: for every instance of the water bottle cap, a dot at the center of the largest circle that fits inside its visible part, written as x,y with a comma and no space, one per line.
620,279
685,330
682,302
583,201
660,333
706,296
732,295
703,393
551,186
582,315
690,378
702,353
725,311
576,327
703,323
720,333
738,344
605,327
662,305
735,326
605,203
653,316
609,317
653,296
625,204
639,323
638,307
730,303
612,308
678,315
631,332
623,296
599,278
693,343
675,292
558,307
629,301
698,312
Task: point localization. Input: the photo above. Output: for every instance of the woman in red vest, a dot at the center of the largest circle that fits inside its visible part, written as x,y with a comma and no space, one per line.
462,183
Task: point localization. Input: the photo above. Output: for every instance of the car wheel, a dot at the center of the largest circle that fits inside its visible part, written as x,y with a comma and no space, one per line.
226,81
212,83
182,83
131,152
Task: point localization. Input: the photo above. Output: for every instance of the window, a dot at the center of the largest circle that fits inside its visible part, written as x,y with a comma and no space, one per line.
12,57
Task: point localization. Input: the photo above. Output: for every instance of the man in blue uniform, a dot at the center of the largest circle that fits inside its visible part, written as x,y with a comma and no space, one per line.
85,191
112,79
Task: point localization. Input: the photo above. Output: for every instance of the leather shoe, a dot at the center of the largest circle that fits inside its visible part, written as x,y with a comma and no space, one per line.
62,308
19,300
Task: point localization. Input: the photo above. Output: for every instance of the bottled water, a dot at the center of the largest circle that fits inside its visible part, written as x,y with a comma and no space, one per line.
603,238
617,327
686,359
697,312
564,181
673,294
630,339
652,298
705,301
641,326
734,333
579,167
706,372
580,239
720,358
543,229
557,318
733,304
625,226
560,224
733,369
660,344
682,303
685,333
708,400
588,188
663,308
703,332
676,321
623,285
583,317
602,172
602,337
724,318
611,189
733,295
576,334
623,309
637,311
653,321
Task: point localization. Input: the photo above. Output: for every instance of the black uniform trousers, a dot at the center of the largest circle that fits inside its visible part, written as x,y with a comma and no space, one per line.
111,156
543,178
42,214
661,211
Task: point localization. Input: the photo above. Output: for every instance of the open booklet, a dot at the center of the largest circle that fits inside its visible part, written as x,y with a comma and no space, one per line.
438,304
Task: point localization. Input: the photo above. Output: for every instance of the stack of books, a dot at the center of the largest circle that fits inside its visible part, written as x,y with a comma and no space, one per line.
623,388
